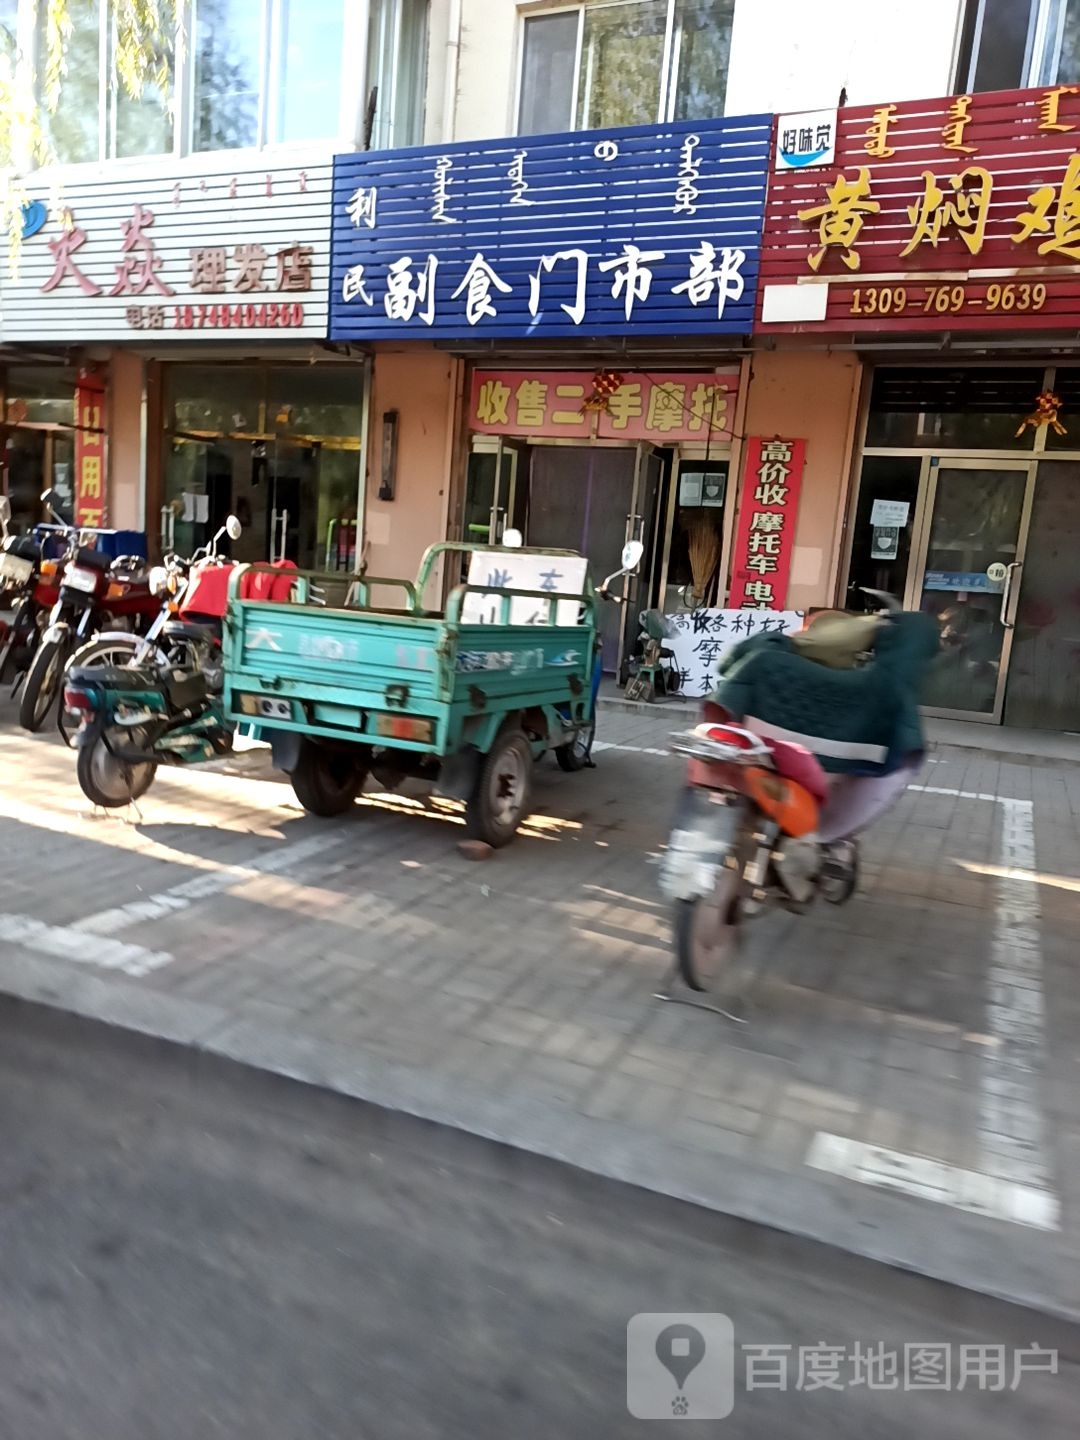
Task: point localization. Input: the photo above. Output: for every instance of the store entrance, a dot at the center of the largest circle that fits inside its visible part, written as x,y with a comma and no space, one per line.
989,548
277,447
591,499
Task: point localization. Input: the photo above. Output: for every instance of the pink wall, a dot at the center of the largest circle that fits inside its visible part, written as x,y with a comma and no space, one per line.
812,396
125,440
421,384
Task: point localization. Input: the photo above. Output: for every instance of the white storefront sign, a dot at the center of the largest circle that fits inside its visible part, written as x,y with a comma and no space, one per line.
174,256
704,637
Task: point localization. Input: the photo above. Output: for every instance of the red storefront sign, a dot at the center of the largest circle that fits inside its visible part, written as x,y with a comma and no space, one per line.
664,408
768,508
90,450
953,214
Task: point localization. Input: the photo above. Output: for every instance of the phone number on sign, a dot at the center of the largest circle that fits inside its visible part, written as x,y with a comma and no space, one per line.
268,316
998,297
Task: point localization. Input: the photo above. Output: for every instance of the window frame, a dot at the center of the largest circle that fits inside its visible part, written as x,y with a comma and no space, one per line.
669,69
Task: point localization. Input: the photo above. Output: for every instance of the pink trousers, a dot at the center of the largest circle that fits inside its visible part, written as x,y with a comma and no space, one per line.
857,800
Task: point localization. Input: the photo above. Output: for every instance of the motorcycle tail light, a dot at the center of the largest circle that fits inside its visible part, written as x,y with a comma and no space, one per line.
116,592
49,569
725,735
78,702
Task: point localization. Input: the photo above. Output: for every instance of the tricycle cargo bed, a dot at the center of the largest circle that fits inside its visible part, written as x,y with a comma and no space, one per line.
406,679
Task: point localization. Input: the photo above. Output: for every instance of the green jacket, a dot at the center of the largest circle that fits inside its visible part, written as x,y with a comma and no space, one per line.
861,722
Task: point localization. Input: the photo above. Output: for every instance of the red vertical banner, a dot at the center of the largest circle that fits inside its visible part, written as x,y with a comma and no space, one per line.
768,510
90,450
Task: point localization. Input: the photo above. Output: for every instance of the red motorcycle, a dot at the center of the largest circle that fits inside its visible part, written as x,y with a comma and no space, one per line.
30,586
94,591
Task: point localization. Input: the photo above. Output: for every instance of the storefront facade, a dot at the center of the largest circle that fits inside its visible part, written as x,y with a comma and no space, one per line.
594,292
936,243
187,313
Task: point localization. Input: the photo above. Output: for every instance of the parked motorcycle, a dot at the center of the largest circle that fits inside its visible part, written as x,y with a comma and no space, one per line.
746,835
93,591
165,705
29,585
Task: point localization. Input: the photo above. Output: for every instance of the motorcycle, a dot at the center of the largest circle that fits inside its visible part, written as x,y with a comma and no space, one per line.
746,835
31,581
165,705
92,589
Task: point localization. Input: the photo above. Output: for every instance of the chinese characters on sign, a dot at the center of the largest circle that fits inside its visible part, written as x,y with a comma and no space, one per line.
983,190
179,255
665,408
704,637
649,230
768,512
90,451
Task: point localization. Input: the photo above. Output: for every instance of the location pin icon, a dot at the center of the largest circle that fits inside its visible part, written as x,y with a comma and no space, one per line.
680,1349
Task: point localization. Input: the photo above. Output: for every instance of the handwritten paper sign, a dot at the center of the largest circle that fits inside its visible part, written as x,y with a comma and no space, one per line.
705,637
500,570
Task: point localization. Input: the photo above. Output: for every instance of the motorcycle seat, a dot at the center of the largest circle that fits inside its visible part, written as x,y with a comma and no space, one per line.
116,677
188,630
92,559
795,762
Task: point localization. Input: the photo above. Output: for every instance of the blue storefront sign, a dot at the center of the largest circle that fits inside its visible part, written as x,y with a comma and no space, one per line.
643,231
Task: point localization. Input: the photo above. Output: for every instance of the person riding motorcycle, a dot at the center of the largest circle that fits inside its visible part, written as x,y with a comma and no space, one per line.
860,720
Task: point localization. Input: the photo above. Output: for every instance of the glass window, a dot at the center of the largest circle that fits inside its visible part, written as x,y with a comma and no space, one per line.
142,124
547,73
1009,44
227,48
702,42
309,69
939,409
622,57
635,62
73,128
880,553
397,71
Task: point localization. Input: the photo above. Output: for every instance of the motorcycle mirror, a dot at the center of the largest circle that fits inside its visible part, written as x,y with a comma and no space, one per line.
633,550
55,503
233,528
513,539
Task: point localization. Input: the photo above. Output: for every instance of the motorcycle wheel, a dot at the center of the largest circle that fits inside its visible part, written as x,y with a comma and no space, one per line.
708,933
327,782
19,639
42,684
576,755
104,652
109,782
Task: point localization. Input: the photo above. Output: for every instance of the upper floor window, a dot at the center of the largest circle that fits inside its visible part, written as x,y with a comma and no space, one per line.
249,73
1009,44
624,62
95,117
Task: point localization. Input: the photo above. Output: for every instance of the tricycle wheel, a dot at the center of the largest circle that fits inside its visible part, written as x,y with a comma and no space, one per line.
108,781
578,754
327,782
501,799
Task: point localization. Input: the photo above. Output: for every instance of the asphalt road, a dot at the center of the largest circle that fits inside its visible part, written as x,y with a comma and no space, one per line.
193,1250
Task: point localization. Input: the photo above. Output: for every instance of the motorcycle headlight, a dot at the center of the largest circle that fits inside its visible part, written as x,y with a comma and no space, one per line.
159,580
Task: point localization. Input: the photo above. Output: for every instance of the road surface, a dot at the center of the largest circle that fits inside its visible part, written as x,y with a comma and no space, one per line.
196,1250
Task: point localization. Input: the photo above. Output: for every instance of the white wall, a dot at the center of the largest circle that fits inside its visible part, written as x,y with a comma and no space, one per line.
793,55
785,55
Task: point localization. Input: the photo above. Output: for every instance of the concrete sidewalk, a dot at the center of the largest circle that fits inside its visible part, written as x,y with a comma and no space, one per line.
903,1083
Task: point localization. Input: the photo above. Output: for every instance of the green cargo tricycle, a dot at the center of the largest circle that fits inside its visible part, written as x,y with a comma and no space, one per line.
468,697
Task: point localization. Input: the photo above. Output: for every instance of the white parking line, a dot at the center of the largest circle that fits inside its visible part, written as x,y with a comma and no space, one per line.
934,1180
1012,1132
67,943
630,749
179,897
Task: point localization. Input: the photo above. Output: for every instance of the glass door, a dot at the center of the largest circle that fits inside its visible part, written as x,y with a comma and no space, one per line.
973,532
1043,688
491,490
641,525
